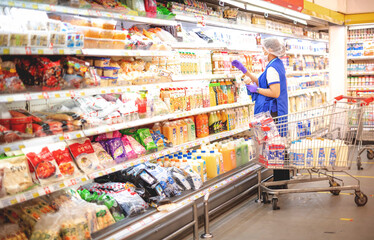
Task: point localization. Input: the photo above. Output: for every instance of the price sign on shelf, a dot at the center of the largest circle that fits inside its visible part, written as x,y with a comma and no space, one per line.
200,20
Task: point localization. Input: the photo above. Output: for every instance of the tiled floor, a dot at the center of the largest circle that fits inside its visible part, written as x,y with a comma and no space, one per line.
304,216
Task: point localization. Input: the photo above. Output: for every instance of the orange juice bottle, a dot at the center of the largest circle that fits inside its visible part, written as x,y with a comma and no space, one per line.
224,120
212,96
219,121
157,127
206,126
199,126
179,128
169,130
185,131
226,154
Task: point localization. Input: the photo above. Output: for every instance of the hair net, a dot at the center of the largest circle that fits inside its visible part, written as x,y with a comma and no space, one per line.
274,46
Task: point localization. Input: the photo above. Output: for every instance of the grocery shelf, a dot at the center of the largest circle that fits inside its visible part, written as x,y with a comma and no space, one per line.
192,19
360,73
141,122
40,191
307,91
28,96
39,51
124,232
19,145
211,46
131,53
177,78
86,12
361,58
306,53
307,72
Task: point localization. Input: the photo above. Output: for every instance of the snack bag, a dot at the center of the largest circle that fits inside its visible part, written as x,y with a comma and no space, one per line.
117,149
64,160
104,157
84,155
131,154
136,146
43,165
15,174
146,140
130,202
167,182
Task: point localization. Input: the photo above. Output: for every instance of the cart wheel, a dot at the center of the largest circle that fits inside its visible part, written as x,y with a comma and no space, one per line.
335,184
361,199
274,202
265,198
370,154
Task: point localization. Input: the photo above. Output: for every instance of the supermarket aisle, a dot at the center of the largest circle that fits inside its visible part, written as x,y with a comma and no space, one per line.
304,216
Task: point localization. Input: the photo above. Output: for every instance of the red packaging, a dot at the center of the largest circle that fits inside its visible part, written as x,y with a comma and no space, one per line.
5,123
84,154
21,124
43,164
63,158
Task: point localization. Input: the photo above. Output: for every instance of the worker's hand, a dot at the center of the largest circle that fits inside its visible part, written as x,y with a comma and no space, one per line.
239,66
252,88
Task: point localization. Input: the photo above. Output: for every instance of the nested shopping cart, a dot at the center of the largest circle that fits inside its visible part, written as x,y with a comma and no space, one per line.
320,141
367,129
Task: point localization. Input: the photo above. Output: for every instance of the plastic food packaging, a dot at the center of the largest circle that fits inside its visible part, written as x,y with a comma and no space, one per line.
104,157
167,182
11,232
130,202
109,135
137,147
146,140
43,165
116,149
131,154
15,175
63,158
84,154
48,227
180,179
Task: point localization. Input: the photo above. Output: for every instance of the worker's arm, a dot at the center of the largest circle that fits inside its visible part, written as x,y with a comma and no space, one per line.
273,91
252,77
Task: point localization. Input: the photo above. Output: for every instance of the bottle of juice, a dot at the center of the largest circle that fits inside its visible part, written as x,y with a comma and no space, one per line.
170,132
166,161
229,91
211,165
224,120
172,162
205,125
212,96
226,154
238,153
211,123
219,124
191,134
157,127
202,164
200,126
159,162
180,132
245,152
185,131
224,91
220,159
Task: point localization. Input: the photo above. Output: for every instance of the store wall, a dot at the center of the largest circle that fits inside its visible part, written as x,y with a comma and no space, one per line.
338,60
359,6
335,5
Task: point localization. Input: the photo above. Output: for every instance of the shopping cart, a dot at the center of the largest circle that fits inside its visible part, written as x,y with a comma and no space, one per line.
320,141
367,128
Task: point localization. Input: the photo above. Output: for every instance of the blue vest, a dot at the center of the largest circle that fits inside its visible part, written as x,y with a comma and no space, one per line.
280,104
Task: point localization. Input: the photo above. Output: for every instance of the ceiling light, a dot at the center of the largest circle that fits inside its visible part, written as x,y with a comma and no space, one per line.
361,26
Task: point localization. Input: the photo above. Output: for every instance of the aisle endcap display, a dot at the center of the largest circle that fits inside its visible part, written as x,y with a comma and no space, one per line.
200,194
40,191
86,12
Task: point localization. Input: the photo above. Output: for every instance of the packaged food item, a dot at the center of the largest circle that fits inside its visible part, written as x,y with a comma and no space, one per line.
11,231
104,157
131,154
64,160
43,164
101,62
15,175
137,147
48,227
75,72
167,182
117,149
146,140
9,79
130,202
109,135
84,154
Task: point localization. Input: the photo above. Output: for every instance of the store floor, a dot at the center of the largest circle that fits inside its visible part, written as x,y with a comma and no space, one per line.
304,216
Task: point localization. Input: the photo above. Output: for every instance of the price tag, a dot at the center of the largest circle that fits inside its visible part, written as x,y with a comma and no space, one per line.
61,51
45,95
35,6
101,174
62,185
21,146
7,149
47,190
11,3
98,13
123,16
103,91
13,201
78,135
40,51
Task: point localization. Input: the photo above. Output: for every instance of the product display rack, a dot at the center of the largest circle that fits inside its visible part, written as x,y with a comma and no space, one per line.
178,80
40,191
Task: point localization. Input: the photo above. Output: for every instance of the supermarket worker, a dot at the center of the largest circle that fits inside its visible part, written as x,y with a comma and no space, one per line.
269,91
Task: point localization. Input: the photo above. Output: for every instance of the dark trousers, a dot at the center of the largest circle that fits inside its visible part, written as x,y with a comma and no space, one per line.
280,174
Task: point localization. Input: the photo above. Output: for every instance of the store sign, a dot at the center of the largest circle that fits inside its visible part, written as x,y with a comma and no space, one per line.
296,5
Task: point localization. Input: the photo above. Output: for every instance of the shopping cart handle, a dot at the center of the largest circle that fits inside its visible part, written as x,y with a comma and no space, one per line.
368,100
338,98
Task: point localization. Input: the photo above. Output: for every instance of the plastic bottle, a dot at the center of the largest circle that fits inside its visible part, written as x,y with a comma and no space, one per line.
178,162
224,120
159,162
245,152
212,96
205,125
211,123
226,154
157,127
200,126
211,165
185,131
219,123
170,132
238,153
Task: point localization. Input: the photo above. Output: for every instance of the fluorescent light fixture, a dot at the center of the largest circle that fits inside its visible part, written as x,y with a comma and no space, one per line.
361,26
295,19
297,14
235,3
258,9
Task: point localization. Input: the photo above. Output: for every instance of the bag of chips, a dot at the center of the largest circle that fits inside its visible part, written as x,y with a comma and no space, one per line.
131,154
136,146
104,157
43,165
117,149
146,140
